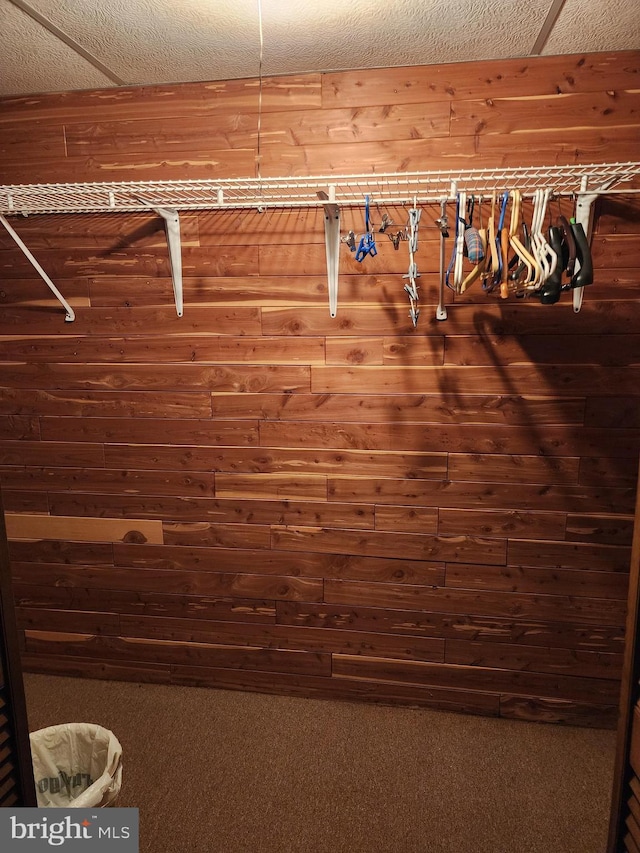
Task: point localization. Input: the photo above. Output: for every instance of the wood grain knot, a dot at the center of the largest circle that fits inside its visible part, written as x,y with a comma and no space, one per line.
134,537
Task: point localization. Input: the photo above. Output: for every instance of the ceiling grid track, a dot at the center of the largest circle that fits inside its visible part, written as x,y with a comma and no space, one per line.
545,31
68,40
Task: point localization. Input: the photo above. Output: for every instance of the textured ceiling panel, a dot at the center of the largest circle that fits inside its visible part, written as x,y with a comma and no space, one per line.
338,34
584,25
33,60
151,41
163,41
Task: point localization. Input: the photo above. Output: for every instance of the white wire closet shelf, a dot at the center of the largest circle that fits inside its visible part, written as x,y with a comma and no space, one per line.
346,190
585,182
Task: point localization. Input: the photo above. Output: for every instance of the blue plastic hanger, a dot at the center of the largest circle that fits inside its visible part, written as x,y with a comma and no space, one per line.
367,245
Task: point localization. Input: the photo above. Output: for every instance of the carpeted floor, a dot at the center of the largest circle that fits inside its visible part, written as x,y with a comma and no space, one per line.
215,771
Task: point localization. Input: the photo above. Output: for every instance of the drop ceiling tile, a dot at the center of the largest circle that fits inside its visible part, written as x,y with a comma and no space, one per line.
163,41
154,41
341,34
584,26
32,60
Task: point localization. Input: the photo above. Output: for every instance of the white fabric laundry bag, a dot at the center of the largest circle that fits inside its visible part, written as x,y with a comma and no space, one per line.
76,765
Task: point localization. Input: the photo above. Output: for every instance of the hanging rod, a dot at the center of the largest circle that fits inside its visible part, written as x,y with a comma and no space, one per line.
345,190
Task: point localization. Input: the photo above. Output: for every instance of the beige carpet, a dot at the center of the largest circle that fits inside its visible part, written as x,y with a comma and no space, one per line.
216,771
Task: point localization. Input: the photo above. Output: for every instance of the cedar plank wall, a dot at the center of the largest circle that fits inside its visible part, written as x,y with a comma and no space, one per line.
257,496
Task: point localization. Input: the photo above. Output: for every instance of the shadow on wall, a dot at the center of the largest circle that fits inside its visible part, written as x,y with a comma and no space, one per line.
486,416
561,432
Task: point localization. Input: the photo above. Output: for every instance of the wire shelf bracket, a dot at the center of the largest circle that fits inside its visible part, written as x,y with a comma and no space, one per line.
332,245
172,228
167,198
70,314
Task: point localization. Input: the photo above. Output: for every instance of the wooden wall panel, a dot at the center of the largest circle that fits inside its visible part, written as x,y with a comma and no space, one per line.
611,350
465,379
422,466
257,496
462,438
189,509
610,529
520,606
28,502
283,637
556,75
103,480
63,453
415,408
107,404
38,602
131,431
74,529
307,564
111,291
474,677
179,582
506,115
62,551
282,378
448,624
177,349
593,584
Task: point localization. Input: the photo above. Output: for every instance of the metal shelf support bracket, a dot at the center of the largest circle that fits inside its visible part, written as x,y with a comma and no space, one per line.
70,315
172,227
332,245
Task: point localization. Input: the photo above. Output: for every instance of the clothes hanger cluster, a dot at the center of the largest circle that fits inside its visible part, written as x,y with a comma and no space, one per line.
512,254
366,246
521,259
